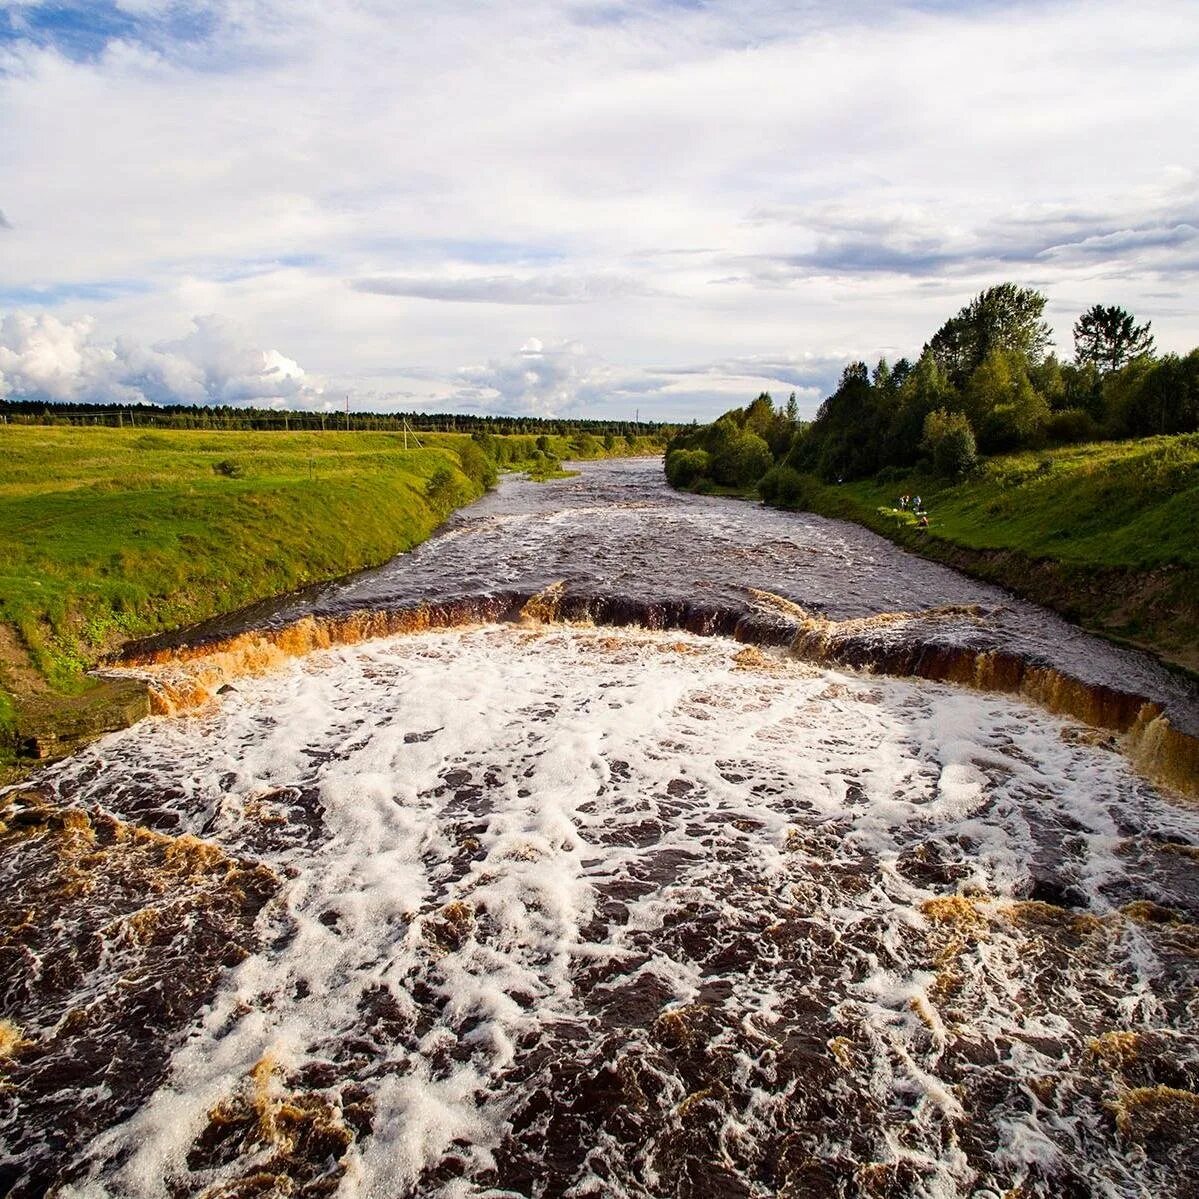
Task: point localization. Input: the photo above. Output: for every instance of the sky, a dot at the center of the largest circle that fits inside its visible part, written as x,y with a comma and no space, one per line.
593,208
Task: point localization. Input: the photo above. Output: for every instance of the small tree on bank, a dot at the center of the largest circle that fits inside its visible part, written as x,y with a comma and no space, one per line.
949,442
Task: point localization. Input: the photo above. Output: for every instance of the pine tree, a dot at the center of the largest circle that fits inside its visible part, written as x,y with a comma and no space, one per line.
1109,338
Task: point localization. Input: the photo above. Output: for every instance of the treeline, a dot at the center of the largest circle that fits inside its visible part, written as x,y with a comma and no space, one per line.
545,452
199,416
983,383
484,455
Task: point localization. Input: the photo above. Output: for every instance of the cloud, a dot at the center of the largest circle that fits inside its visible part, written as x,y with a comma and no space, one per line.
537,380
505,289
44,358
4,222
810,375
746,185
566,379
1110,243
913,241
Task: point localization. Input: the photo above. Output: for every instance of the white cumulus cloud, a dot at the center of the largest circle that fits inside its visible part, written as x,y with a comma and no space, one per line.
43,357
726,186
537,380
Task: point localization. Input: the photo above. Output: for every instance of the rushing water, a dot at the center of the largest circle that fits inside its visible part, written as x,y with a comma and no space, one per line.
537,908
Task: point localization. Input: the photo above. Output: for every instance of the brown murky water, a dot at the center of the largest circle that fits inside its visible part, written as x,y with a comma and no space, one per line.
541,908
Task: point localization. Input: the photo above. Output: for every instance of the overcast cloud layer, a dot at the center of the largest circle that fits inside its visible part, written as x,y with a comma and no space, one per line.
585,207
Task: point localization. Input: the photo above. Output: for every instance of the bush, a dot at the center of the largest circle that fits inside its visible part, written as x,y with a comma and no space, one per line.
743,460
442,490
783,487
1072,424
586,445
685,467
949,442
229,468
476,465
1017,425
542,466
768,485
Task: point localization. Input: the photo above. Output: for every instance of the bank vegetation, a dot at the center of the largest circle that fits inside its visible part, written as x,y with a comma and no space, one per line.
114,533
1074,482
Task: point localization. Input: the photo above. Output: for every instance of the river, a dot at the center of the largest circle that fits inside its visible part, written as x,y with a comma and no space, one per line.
662,846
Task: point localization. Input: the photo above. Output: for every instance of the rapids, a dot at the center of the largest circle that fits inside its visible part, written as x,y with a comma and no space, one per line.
526,907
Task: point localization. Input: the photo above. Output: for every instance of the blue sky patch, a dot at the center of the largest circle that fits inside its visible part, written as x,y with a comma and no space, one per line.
64,293
81,29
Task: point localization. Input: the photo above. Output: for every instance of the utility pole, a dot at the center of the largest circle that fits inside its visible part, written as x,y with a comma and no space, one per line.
347,411
408,429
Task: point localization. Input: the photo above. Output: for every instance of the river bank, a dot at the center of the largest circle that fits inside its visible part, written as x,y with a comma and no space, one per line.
109,535
605,820
615,547
1103,533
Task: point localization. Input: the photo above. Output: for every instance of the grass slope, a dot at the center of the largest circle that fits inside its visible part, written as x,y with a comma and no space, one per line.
107,534
1128,504
1106,533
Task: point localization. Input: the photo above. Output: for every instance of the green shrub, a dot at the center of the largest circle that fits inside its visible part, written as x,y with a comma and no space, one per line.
1072,425
768,485
229,468
442,490
476,465
784,487
742,461
949,442
686,467
586,445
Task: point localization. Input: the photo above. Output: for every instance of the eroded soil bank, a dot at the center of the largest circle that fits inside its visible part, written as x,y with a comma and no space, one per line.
1156,611
616,546
1152,607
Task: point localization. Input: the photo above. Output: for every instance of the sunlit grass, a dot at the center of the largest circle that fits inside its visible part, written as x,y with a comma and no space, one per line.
1130,503
107,534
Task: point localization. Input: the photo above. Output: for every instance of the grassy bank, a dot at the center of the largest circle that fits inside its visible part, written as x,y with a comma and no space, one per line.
108,534
1104,533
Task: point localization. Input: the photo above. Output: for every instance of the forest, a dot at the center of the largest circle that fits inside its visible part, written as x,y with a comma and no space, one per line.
984,383
225,416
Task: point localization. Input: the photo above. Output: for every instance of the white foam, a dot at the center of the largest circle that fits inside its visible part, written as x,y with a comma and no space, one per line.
567,738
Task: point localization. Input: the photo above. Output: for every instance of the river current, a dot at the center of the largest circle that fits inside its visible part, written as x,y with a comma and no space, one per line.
602,887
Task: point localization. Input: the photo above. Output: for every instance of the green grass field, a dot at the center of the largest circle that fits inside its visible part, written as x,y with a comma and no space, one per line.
108,534
111,534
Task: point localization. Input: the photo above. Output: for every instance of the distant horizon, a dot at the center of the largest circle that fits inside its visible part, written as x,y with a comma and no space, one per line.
84,408
573,209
